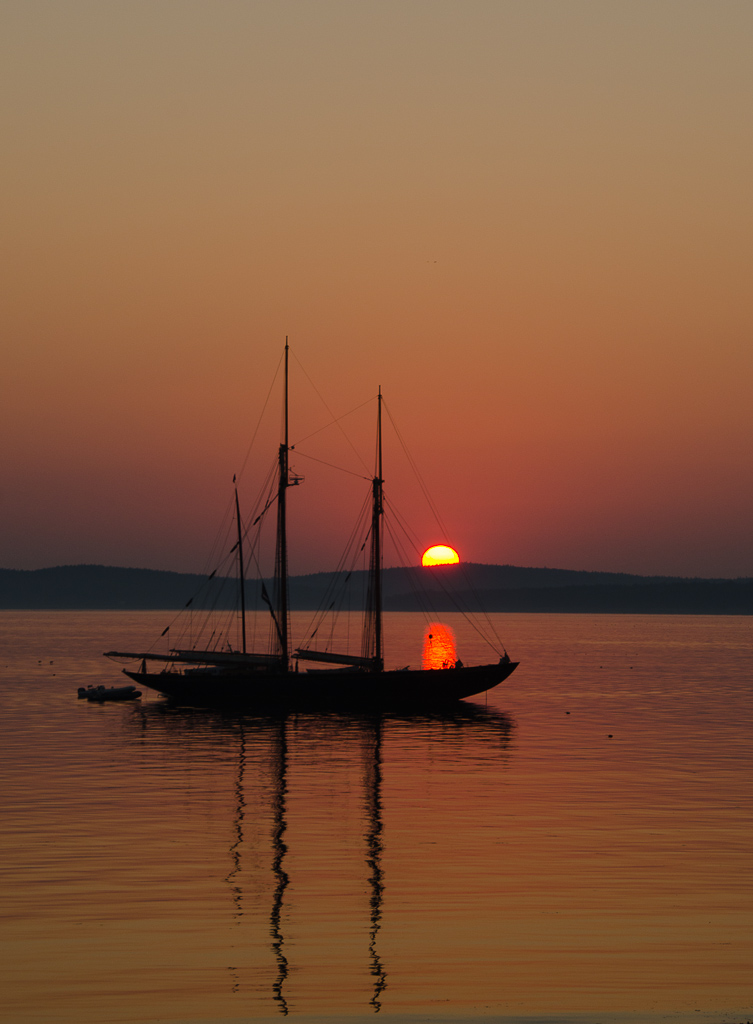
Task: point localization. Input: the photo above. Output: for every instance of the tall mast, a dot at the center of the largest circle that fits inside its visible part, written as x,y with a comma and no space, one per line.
372,641
240,569
281,556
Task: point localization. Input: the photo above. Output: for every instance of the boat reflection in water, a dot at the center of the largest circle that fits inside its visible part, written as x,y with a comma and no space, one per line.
374,849
279,850
307,808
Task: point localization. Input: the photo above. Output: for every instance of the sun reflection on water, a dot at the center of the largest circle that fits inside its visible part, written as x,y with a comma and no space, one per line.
439,646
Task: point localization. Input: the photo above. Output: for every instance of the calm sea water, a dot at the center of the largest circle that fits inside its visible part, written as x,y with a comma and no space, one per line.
577,847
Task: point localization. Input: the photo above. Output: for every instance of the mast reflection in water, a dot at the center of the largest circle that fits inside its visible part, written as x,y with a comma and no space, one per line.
280,849
297,838
232,878
373,788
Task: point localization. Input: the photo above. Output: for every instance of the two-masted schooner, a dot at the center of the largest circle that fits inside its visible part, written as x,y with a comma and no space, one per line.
221,675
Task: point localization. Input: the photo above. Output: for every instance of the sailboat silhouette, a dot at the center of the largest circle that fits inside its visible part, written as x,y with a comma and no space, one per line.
212,673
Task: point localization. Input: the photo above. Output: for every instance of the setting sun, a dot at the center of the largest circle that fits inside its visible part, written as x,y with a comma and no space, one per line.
440,554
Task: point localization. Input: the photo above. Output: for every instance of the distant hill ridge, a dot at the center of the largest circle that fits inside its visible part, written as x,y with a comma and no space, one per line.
507,588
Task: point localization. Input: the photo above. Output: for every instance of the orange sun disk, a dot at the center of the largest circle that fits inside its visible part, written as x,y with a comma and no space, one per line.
440,554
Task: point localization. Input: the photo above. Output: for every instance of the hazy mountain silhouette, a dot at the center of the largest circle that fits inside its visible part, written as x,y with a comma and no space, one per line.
507,588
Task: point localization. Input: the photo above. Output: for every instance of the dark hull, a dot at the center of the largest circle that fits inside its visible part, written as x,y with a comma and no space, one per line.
325,689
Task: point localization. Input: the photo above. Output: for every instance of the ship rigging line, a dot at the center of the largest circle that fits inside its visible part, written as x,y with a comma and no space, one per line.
220,541
335,590
331,464
484,614
468,614
335,420
220,574
261,416
190,602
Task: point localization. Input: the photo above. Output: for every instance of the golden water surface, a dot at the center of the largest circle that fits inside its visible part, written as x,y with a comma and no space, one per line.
575,847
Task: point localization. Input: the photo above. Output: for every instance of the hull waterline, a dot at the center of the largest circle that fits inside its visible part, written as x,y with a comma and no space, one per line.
323,689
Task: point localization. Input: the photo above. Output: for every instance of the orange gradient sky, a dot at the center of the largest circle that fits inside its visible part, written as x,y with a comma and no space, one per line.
529,222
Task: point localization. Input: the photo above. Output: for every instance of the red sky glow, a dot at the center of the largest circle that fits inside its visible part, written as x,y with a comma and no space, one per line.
531,224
